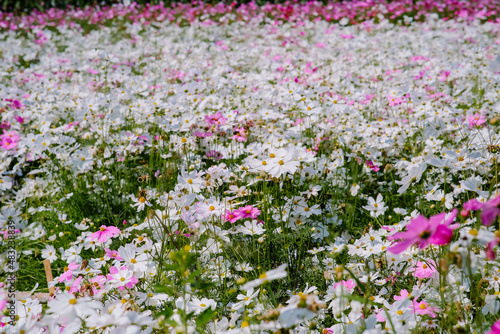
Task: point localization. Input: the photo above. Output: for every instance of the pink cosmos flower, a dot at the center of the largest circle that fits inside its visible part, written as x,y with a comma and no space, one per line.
495,329
105,232
216,119
443,76
403,294
75,286
380,315
424,270
349,285
216,155
112,254
423,231
97,283
19,119
489,251
395,100
9,140
5,125
6,233
68,274
202,134
370,164
15,104
490,209
247,212
232,216
424,308
240,135
476,120
71,124
122,277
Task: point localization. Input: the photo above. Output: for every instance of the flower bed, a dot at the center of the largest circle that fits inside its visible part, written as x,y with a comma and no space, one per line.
299,168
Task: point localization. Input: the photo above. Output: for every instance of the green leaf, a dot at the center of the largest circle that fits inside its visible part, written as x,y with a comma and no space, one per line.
205,317
165,289
193,275
202,285
169,267
167,312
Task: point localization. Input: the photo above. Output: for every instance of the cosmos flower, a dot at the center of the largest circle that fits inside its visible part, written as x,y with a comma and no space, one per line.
489,210
232,216
268,276
247,212
476,120
423,231
104,233
495,329
424,269
122,277
9,140
422,308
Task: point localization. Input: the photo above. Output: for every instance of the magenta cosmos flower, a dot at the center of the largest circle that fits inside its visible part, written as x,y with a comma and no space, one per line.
495,329
423,231
105,232
232,216
489,209
247,212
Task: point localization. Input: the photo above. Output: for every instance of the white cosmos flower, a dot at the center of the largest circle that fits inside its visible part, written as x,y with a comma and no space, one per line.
268,276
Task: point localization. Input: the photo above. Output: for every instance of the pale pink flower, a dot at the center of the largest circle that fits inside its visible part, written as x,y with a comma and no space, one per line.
476,120
424,270
424,308
105,232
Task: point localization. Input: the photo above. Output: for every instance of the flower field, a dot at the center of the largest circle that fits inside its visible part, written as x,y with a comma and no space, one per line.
233,168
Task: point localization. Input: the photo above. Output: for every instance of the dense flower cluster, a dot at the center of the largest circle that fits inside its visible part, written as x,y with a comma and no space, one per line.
300,168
